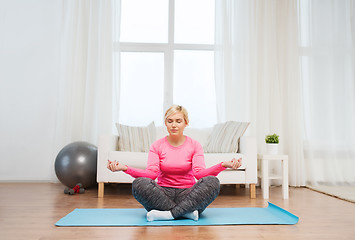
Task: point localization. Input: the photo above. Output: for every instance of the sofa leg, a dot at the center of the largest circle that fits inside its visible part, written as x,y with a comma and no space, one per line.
101,189
252,191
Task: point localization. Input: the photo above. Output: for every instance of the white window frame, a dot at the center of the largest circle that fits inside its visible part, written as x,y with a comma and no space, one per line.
168,50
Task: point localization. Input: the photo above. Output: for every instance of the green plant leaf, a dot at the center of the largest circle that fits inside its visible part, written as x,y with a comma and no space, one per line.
272,138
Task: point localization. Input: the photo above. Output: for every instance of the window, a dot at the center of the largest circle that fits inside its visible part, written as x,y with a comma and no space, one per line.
166,55
326,56
138,98
194,83
144,21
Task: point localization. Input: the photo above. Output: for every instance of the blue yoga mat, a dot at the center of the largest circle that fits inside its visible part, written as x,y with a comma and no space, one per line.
211,216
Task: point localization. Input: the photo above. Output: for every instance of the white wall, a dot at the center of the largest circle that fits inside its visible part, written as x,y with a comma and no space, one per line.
29,75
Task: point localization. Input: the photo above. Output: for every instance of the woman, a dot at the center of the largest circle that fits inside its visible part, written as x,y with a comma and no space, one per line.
176,160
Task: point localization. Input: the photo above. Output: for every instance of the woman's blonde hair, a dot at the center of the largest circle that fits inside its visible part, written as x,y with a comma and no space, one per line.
177,108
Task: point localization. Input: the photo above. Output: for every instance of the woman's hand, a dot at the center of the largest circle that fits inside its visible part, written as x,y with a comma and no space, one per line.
116,166
234,163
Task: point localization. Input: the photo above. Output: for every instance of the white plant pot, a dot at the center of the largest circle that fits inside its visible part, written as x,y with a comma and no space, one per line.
272,148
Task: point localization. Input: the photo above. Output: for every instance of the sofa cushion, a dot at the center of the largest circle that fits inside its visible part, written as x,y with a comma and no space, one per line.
161,132
198,134
225,137
135,139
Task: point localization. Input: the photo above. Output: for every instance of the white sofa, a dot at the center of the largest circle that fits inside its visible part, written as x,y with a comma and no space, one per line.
246,174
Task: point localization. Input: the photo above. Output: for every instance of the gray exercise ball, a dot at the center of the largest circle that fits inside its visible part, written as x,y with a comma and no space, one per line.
77,163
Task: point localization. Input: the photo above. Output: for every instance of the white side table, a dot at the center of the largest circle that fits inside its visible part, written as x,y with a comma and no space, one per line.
264,159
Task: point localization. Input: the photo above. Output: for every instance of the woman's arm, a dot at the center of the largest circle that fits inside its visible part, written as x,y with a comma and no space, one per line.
200,172
152,170
204,172
199,167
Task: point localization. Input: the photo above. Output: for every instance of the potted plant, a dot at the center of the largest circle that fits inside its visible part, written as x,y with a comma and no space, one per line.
272,143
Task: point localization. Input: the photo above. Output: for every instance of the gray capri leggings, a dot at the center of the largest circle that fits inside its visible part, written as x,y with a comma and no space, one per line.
177,200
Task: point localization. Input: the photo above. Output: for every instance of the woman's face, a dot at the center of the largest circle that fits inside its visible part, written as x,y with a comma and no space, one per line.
175,124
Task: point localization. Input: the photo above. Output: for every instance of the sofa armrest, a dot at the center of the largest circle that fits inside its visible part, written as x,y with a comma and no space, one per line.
248,147
107,143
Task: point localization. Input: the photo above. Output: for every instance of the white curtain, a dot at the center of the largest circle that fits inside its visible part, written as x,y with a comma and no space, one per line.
328,71
257,73
86,83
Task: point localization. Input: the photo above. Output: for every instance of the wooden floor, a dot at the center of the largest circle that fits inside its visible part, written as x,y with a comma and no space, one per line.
30,210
